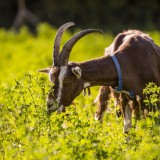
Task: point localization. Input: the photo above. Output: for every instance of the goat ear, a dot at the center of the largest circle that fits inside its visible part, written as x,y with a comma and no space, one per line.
77,71
45,70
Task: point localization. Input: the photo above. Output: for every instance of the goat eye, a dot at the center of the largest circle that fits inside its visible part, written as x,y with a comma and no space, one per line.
67,79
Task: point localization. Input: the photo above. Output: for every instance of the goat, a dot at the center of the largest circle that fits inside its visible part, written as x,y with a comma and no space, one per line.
106,92
121,99
137,54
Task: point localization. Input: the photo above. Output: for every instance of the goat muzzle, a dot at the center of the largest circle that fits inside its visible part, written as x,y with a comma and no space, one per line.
53,106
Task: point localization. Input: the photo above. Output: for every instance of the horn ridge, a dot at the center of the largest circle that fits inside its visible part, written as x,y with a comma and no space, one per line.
57,41
64,55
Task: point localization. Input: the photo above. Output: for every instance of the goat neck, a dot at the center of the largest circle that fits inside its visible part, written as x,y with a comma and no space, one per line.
100,71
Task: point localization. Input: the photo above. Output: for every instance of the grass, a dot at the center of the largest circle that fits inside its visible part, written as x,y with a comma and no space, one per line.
27,132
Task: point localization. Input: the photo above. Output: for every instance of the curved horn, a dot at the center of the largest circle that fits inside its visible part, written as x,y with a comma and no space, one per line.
57,41
64,55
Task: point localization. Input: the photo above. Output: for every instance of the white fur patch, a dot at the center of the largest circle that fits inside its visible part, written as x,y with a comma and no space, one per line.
96,117
50,75
63,71
87,84
99,117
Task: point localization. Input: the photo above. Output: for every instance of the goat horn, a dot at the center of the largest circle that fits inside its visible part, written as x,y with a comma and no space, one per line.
57,41
64,55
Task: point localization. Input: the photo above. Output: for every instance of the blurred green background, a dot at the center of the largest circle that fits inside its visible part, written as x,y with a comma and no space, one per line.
109,15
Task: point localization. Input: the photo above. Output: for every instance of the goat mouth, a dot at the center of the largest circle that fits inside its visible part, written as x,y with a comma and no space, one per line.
52,107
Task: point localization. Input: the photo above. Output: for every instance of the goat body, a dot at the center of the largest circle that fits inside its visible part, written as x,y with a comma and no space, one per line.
127,40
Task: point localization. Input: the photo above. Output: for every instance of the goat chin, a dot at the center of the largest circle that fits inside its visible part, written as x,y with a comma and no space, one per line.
60,109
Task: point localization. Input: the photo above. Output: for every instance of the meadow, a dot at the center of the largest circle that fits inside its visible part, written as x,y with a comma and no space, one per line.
28,132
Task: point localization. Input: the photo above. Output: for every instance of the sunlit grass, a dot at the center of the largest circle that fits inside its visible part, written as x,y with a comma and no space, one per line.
27,132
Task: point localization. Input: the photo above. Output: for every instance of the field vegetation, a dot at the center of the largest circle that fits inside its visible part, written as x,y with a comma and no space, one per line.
27,132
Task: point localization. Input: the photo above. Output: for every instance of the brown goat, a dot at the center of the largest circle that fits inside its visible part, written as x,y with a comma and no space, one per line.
121,99
137,54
